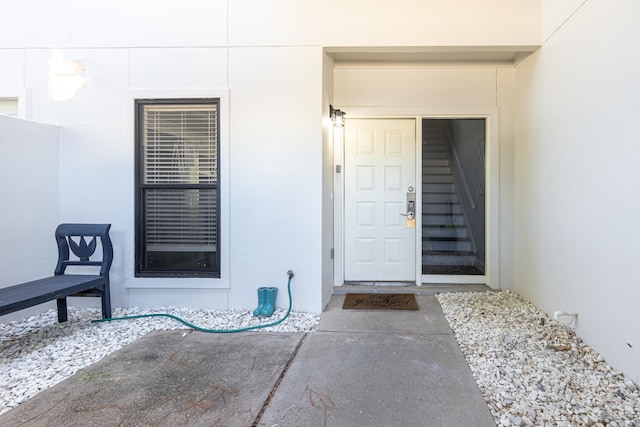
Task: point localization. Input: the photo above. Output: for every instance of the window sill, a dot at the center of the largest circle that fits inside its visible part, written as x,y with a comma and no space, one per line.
175,283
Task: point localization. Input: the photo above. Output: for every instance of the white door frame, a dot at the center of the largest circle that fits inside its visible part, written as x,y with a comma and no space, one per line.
492,166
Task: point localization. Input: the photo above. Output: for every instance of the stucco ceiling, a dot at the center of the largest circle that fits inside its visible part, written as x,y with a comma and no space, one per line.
503,55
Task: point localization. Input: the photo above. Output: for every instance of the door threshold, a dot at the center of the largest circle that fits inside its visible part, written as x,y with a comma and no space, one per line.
379,283
425,289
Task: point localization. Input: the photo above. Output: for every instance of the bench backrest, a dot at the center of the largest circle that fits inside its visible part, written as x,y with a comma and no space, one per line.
73,238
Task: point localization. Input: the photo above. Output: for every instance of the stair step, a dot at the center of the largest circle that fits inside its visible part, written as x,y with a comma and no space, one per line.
444,232
442,219
458,270
426,240
442,246
435,155
448,246
441,208
435,162
436,170
439,258
434,179
431,132
434,148
439,198
439,188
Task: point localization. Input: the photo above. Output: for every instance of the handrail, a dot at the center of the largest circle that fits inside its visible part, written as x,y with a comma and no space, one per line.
458,163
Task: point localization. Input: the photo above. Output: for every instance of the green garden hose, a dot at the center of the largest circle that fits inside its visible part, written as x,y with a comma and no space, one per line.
211,331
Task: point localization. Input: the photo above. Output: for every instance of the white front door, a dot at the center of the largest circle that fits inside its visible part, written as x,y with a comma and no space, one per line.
379,177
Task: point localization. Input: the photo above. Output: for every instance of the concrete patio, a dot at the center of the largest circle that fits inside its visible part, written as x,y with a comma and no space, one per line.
360,368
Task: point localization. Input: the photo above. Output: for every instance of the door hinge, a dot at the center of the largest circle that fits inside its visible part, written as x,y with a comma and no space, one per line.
331,253
338,168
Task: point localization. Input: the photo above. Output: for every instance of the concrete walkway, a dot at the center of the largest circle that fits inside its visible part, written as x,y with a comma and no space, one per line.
360,368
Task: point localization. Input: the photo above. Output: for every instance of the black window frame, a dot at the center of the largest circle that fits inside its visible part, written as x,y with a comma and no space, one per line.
141,268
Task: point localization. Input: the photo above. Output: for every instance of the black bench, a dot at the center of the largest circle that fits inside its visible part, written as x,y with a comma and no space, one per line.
59,286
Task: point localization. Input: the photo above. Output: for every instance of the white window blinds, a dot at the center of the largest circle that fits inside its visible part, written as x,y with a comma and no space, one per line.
181,220
179,175
180,144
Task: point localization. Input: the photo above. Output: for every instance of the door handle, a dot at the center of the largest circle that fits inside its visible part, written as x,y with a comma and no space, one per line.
410,209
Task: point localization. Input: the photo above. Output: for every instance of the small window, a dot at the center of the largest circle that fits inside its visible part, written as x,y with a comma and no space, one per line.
177,198
9,106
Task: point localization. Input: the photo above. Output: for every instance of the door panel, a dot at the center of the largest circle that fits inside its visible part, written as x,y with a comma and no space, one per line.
379,171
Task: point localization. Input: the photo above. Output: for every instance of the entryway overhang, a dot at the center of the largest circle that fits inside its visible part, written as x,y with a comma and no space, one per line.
472,55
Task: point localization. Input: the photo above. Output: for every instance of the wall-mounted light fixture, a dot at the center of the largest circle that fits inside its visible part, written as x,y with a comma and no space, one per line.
336,116
66,76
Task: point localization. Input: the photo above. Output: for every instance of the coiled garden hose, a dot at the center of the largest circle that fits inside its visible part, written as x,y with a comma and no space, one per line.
211,331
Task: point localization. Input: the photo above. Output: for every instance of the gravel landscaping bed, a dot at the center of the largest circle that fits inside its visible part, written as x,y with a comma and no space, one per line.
38,352
533,370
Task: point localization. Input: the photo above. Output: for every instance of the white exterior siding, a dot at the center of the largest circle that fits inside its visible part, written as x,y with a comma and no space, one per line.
267,60
211,23
567,203
29,190
577,175
276,173
398,23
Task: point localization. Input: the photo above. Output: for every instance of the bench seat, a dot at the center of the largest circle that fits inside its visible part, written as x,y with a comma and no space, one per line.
71,238
28,294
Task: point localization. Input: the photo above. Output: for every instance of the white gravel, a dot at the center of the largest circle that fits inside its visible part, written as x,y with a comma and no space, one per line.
533,370
39,352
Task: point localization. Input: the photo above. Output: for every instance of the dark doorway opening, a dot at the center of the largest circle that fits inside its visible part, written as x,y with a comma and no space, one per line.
453,196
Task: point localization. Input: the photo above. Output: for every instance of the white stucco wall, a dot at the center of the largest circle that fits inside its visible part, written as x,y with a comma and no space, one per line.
274,162
205,23
276,172
398,23
29,170
265,59
577,176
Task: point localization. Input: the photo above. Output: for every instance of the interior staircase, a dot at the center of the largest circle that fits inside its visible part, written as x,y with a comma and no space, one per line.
447,247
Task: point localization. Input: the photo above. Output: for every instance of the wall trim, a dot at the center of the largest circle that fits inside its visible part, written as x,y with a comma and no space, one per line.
131,282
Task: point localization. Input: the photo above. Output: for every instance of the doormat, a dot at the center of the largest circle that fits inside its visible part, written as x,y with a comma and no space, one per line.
380,302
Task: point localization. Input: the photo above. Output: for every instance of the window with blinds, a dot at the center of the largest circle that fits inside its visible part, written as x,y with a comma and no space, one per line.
177,188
